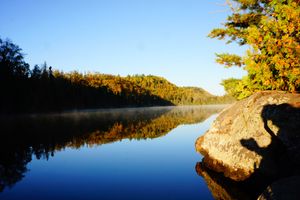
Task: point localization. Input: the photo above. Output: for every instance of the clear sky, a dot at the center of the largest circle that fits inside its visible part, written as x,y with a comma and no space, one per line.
161,37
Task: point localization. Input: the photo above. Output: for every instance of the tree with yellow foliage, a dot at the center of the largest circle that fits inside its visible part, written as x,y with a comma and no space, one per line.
271,30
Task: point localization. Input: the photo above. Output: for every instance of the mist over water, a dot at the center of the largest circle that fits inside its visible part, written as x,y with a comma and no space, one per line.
135,153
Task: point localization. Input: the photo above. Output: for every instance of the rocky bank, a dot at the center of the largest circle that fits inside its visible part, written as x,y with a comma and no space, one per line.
256,137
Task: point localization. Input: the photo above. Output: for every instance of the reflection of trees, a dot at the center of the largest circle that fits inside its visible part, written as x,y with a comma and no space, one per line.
145,127
42,135
13,166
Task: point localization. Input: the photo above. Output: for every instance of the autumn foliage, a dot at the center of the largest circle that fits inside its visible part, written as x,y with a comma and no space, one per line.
44,89
271,30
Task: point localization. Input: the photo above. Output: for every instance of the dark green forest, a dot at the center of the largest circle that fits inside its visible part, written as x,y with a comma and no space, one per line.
43,89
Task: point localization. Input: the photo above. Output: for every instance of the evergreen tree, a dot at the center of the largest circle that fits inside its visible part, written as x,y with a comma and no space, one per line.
12,64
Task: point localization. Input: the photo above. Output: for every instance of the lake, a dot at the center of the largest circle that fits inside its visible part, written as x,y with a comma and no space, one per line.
138,153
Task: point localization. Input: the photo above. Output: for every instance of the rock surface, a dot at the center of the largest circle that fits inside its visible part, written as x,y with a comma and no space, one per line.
260,134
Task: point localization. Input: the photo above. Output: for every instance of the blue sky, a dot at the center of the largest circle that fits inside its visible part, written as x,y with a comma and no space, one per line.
161,37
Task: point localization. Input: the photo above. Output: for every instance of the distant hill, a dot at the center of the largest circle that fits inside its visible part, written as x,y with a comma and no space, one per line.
147,85
177,95
43,89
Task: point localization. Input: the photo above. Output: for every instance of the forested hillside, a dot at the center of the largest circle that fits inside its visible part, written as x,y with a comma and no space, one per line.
131,87
177,95
43,89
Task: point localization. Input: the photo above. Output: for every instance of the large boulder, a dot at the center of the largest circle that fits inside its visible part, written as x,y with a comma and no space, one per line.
258,135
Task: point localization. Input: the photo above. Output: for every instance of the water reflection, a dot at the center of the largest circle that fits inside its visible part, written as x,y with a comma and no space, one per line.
222,187
43,135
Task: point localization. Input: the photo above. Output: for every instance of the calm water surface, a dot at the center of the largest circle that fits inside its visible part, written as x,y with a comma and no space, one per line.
142,153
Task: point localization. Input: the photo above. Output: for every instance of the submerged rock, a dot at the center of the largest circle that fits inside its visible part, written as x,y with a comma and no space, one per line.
223,188
287,188
256,136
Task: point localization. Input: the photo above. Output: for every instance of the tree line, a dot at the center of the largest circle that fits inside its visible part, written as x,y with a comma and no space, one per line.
43,89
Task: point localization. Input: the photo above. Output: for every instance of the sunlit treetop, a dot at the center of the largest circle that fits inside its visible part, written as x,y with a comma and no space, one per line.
271,31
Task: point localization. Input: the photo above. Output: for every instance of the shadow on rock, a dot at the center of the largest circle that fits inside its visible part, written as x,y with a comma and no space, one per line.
256,140
281,156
